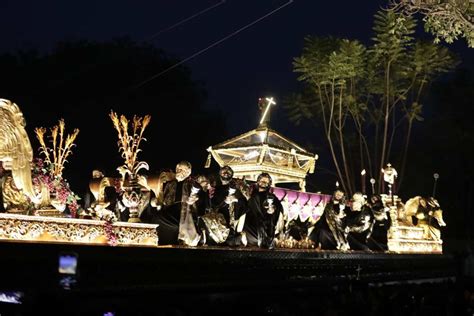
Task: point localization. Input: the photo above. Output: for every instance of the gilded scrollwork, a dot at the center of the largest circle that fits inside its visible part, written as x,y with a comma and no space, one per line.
32,228
15,147
415,225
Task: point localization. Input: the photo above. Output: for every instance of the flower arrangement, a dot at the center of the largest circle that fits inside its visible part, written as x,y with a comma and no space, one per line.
129,143
47,173
42,176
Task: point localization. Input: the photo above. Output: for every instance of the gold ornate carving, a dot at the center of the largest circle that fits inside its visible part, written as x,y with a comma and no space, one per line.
415,246
129,143
32,228
424,236
14,198
15,147
61,147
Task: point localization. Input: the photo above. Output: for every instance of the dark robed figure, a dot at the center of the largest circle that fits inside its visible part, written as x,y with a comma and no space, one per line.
178,208
264,219
330,231
360,223
228,201
378,240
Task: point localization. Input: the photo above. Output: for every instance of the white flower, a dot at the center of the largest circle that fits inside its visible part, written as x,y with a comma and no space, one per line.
104,214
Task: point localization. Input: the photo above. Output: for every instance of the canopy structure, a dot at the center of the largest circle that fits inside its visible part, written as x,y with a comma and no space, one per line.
265,150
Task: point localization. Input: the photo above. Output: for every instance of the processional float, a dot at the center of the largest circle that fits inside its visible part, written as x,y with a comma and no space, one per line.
265,150
36,198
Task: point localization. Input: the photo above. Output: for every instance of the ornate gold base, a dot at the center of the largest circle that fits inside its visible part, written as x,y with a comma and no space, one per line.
415,246
134,220
409,239
17,212
67,230
49,213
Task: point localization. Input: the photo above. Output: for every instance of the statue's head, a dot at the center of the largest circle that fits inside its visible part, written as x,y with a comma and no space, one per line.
183,170
204,182
226,174
358,200
264,182
338,196
97,174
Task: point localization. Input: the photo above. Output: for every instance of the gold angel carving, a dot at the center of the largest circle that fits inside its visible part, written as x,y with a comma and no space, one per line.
15,147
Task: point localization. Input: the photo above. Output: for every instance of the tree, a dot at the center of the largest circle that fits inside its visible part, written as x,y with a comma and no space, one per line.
82,81
445,19
366,97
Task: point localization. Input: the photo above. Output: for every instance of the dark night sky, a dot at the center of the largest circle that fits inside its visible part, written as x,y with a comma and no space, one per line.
256,62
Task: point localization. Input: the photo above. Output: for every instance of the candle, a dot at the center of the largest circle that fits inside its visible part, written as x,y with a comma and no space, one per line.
362,180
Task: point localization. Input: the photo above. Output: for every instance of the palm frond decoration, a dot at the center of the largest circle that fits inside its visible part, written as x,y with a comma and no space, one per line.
129,143
61,146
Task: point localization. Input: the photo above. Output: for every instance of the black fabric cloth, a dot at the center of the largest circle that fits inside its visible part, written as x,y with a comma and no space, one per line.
168,217
330,231
2,207
230,213
88,199
322,235
203,207
221,192
260,226
297,229
359,226
382,222
204,203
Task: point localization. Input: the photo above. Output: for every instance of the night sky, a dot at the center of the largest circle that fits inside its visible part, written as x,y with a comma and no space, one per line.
255,62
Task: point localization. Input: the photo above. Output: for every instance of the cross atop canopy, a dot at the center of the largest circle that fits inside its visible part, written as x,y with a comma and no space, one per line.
264,105
264,150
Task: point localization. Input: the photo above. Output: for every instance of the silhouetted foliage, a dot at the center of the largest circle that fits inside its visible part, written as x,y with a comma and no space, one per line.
82,81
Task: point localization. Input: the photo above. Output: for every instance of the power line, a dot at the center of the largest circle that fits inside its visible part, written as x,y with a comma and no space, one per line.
183,21
210,46
91,67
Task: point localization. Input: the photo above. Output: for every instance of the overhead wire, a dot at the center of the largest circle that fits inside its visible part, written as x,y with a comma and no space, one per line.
169,28
91,67
153,77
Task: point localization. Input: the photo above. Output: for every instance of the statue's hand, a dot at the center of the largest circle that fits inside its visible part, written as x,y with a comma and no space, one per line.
191,200
230,199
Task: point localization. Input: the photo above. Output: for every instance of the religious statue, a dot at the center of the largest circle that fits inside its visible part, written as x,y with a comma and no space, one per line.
424,212
389,176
